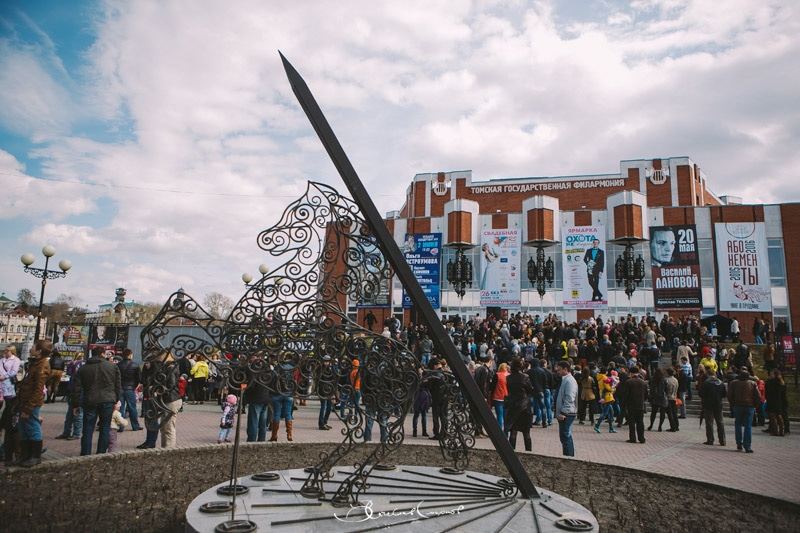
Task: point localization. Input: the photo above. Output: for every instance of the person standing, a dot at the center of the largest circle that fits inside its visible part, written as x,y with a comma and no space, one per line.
744,397
499,393
566,408
199,373
777,401
73,425
606,394
587,399
422,402
370,319
658,399
30,395
434,381
482,376
96,389
426,348
130,375
517,405
635,392
168,395
282,399
711,392
9,370
672,400
54,379
326,390
257,398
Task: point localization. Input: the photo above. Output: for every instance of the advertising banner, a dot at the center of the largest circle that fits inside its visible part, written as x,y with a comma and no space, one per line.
584,264
71,340
499,274
675,265
743,266
114,338
423,253
790,345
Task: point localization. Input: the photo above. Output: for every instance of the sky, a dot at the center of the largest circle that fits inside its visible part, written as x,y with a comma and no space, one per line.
150,142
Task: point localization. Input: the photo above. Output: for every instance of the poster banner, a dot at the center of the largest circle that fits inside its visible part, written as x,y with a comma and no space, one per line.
790,344
423,253
499,275
71,340
675,265
114,338
584,264
743,266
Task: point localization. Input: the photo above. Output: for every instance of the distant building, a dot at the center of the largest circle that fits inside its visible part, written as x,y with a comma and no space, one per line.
720,255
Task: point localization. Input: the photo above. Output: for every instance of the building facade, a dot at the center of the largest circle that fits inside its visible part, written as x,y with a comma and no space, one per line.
721,257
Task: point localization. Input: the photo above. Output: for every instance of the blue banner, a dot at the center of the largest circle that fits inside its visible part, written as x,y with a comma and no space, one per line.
423,252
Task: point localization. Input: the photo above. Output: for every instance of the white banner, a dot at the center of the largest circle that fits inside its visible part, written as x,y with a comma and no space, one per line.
584,263
500,270
743,265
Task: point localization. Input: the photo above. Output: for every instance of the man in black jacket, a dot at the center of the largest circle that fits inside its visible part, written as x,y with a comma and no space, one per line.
96,388
711,392
130,375
634,395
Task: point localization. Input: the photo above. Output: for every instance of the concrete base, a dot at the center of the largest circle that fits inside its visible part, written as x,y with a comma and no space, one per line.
403,499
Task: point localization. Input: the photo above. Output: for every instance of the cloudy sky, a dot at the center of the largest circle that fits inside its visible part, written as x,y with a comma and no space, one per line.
150,141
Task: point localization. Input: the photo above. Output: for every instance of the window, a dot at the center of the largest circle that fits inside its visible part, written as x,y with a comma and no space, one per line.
777,266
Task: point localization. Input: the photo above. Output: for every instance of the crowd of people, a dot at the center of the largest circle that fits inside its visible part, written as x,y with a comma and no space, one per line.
621,368
529,369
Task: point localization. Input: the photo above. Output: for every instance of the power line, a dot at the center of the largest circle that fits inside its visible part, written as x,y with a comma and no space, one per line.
131,187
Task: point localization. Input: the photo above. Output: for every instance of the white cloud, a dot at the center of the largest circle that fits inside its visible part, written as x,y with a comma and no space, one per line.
218,145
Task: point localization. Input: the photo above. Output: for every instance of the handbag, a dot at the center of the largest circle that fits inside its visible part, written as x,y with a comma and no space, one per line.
678,402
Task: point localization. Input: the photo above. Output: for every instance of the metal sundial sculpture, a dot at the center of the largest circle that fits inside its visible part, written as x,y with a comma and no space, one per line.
332,248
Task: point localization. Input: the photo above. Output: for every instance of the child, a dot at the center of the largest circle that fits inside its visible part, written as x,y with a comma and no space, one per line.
116,422
182,382
8,423
226,422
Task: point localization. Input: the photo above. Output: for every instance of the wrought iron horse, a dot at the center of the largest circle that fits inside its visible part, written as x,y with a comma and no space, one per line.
293,318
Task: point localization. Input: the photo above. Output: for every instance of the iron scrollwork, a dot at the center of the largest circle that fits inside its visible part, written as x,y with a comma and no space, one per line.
293,318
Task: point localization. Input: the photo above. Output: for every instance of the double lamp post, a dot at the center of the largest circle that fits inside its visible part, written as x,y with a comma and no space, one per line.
44,274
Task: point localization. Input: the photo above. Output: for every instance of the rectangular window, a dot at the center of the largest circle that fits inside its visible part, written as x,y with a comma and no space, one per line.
777,266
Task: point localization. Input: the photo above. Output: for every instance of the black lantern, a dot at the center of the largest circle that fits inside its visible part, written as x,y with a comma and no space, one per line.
540,271
628,270
459,273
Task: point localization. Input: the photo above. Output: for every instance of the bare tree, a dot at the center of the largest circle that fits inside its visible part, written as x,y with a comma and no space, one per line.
218,305
27,300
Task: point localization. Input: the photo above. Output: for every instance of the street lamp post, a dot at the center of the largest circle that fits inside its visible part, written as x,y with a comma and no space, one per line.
45,274
540,271
459,275
628,270
247,278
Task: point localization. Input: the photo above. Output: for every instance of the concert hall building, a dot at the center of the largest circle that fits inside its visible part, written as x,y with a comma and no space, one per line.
694,252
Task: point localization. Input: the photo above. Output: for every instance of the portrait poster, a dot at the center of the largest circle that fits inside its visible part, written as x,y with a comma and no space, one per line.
114,338
584,264
675,266
743,266
423,253
499,280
